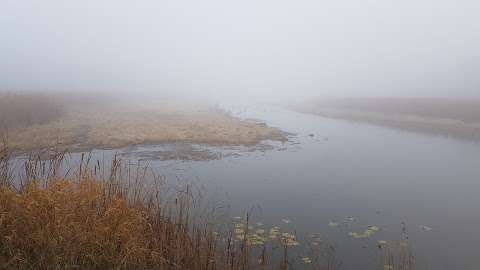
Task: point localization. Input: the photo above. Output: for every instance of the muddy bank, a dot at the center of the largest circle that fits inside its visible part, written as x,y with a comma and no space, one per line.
454,118
121,125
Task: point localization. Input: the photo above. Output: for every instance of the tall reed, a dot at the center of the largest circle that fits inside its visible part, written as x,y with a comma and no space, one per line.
126,217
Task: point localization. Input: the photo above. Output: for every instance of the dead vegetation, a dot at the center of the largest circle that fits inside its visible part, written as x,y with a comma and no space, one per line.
119,124
447,117
118,220
128,218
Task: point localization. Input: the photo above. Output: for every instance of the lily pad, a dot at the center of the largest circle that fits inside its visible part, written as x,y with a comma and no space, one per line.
381,243
239,225
286,221
333,224
426,228
239,231
307,260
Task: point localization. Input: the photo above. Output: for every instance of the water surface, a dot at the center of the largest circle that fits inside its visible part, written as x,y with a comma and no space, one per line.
334,169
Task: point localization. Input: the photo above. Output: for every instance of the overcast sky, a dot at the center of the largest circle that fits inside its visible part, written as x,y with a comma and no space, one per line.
261,48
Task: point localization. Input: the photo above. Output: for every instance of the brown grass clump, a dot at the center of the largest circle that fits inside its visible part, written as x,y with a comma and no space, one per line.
117,222
50,222
91,221
78,225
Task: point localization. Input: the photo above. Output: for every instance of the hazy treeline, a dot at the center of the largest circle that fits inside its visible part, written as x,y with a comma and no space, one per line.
20,110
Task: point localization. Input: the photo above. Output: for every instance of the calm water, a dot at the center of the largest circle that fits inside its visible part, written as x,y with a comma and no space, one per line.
377,175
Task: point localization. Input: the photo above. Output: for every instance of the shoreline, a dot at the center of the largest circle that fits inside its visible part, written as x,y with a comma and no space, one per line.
122,125
455,119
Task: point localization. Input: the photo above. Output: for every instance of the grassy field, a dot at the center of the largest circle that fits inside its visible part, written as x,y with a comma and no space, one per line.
447,117
119,124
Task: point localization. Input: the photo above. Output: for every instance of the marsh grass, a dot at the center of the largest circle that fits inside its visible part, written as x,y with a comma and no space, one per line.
51,222
127,217
52,119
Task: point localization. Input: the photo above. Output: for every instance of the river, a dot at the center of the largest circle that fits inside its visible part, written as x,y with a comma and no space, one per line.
331,171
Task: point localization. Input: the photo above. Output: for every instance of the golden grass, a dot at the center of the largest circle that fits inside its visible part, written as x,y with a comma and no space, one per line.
47,222
123,221
68,225
120,222
119,125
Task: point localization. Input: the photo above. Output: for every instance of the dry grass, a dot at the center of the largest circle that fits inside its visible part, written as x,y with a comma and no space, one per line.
119,125
117,222
48,222
465,110
447,117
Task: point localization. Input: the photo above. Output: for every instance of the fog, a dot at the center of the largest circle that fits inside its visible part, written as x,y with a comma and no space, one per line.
243,49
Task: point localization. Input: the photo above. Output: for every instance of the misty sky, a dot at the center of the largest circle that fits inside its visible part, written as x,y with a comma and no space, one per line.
259,48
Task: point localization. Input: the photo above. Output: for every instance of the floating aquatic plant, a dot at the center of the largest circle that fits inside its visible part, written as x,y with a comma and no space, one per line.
316,239
381,243
255,240
286,221
260,231
274,232
426,228
351,219
333,224
388,267
289,239
239,231
307,260
366,234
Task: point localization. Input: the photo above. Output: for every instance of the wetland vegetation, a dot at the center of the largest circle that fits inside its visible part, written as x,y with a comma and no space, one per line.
35,122
67,215
451,117
239,135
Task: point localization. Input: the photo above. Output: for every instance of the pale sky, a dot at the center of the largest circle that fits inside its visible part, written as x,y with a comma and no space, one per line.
262,48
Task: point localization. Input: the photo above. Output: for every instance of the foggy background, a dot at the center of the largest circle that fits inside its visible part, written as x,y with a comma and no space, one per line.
243,49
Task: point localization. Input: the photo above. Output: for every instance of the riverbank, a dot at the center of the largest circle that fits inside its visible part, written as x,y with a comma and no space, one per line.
83,128
127,220
454,118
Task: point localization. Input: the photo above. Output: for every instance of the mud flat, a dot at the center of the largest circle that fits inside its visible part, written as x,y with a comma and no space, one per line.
121,125
456,118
